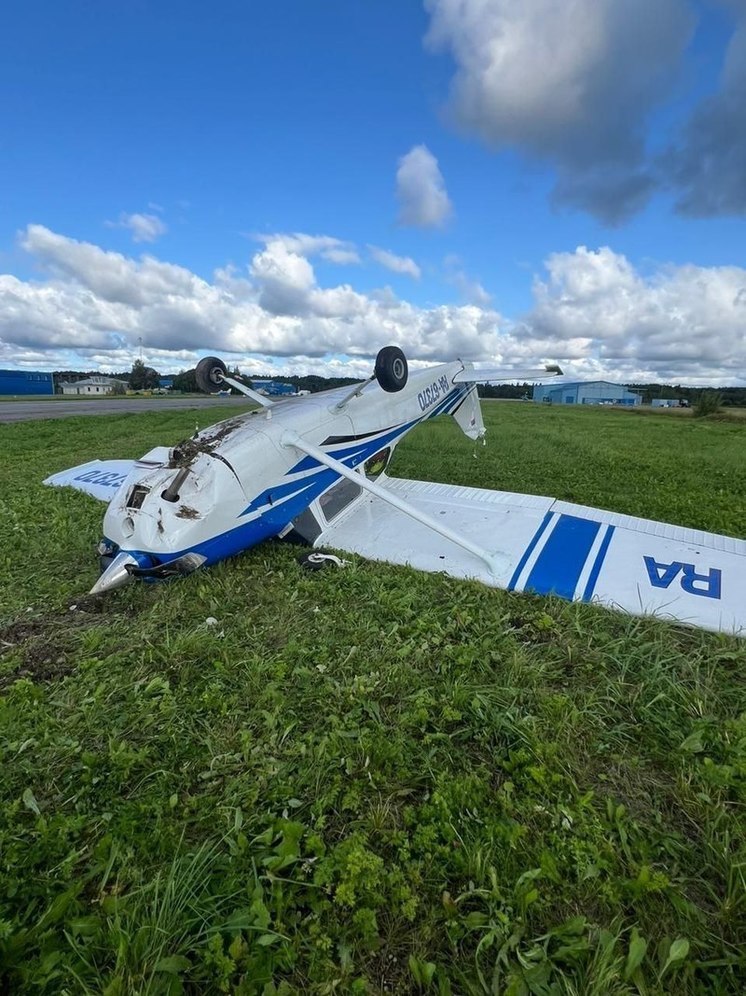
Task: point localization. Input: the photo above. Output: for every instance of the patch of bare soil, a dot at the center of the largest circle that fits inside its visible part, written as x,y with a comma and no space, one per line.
46,642
45,651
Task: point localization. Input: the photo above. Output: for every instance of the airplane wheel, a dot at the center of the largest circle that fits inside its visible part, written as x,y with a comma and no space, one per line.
319,561
391,369
209,374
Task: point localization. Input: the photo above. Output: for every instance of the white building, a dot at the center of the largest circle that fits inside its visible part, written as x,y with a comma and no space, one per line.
94,385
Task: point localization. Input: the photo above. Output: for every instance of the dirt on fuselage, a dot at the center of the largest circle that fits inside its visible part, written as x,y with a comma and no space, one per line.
185,452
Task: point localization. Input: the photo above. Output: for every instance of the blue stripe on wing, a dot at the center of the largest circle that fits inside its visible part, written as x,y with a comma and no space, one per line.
560,563
598,564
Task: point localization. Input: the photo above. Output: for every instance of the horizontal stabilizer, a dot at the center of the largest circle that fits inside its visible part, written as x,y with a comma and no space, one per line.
485,375
99,478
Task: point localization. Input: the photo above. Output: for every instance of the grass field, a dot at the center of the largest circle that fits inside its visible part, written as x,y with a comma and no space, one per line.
261,781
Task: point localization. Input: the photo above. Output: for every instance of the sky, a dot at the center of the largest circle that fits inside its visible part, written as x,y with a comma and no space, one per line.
292,185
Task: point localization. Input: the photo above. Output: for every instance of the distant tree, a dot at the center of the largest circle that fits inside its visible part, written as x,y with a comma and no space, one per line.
505,390
137,376
117,387
708,403
185,381
143,378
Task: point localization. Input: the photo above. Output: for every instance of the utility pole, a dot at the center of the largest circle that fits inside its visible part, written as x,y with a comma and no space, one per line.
139,339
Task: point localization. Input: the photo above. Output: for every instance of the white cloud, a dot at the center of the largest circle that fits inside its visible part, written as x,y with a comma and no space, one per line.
471,290
571,82
684,323
144,227
594,312
343,257
421,190
286,279
96,299
110,275
397,264
331,249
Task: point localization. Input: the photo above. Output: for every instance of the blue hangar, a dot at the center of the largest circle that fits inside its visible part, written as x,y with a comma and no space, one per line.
272,387
591,392
26,382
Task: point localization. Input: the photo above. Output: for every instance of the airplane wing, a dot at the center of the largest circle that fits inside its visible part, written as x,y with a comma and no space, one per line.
99,478
547,546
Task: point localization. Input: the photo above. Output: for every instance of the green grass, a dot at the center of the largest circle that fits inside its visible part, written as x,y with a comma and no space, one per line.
370,780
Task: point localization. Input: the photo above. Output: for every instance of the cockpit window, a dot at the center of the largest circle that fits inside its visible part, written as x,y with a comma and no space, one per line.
338,498
376,464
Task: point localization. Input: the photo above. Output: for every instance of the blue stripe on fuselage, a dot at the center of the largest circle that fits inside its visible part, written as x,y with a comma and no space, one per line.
286,501
351,456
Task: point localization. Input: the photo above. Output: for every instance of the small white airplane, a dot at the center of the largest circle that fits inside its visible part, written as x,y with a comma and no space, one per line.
314,469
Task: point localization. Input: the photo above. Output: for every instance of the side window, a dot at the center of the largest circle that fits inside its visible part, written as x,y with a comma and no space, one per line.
338,498
376,464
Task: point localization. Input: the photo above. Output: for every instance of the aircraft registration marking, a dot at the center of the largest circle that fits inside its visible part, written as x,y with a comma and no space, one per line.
433,393
105,479
708,585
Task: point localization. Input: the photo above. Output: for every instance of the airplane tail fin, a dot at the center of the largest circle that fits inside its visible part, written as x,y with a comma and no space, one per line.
468,415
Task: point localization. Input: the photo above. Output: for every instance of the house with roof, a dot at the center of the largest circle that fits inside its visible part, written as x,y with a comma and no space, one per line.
97,385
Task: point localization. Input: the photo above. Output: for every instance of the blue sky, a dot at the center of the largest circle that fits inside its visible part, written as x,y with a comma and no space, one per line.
225,122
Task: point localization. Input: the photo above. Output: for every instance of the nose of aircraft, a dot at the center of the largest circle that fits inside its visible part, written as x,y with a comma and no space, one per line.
116,574
164,519
132,565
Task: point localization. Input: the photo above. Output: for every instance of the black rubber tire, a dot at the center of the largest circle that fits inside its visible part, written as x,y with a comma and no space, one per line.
391,369
209,374
317,560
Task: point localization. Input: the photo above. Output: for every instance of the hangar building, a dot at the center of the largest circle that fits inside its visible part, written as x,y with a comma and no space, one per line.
272,387
591,392
26,382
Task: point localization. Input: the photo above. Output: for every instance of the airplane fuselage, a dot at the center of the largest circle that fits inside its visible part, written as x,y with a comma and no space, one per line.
240,482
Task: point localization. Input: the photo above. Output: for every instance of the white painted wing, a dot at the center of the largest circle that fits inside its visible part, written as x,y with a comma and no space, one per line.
553,547
99,478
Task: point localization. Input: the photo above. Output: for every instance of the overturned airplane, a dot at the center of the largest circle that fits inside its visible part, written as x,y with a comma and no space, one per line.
313,468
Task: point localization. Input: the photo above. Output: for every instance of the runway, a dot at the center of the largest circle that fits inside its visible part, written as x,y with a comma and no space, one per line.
24,411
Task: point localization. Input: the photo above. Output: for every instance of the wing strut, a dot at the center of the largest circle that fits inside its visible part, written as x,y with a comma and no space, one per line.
254,395
495,562
354,393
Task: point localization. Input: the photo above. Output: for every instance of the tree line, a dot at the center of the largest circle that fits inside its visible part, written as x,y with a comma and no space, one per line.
142,377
